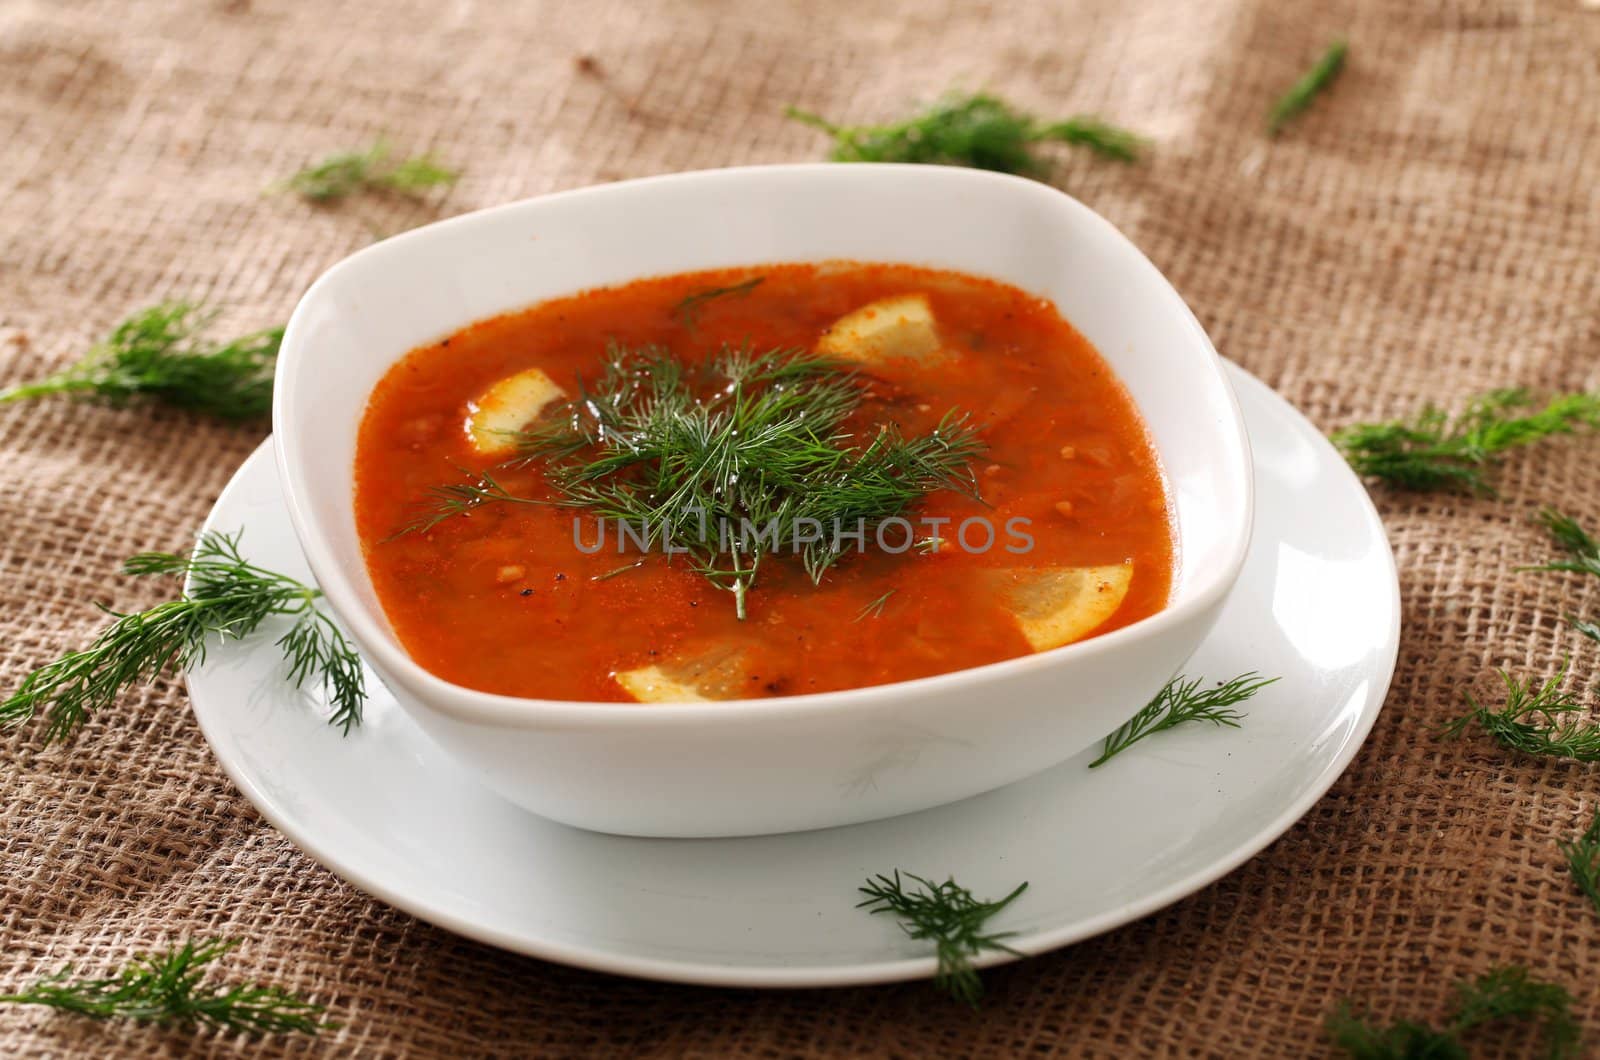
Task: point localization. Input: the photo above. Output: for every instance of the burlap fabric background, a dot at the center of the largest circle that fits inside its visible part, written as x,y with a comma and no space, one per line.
1430,231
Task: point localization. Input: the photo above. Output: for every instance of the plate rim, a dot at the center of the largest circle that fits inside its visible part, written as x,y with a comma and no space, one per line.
1030,944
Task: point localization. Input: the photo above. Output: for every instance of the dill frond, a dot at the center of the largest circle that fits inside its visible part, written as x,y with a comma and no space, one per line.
158,353
616,571
947,915
1300,95
1362,1039
875,608
1583,859
748,439
229,598
169,989
1574,539
1584,551
459,498
1434,451
348,172
1504,993
1101,137
416,174
687,311
1183,701
1539,718
979,131
1511,993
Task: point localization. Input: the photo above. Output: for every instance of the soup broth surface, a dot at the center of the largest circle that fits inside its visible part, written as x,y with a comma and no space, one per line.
502,598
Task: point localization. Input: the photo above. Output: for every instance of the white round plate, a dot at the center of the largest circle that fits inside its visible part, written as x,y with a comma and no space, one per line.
1317,605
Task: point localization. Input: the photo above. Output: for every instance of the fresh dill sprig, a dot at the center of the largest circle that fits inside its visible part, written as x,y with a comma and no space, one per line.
728,462
459,498
1583,858
158,353
980,131
343,174
687,311
1537,719
1316,81
1584,549
1582,546
1502,993
1435,451
758,440
951,918
1183,701
1362,1039
228,598
168,989
875,608
615,571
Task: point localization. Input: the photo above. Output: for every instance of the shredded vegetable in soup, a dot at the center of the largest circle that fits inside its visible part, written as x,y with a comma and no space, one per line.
757,482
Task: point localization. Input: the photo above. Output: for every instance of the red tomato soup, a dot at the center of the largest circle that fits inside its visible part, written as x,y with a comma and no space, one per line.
1069,535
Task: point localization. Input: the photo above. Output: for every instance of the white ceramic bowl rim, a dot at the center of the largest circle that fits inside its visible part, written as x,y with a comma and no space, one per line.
492,708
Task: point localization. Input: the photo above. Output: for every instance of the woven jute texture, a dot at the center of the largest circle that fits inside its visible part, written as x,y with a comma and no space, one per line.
1431,230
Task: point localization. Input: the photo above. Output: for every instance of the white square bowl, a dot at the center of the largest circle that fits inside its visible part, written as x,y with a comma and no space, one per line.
799,762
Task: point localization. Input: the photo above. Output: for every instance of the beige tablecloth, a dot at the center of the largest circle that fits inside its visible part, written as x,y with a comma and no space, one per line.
1431,230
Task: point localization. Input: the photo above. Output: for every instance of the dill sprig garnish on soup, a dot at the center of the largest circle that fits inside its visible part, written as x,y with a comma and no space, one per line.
684,453
757,482
450,499
690,305
755,439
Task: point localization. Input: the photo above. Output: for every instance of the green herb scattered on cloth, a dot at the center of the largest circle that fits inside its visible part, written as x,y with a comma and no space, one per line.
348,172
978,131
1507,993
1436,451
1539,718
229,598
158,353
169,989
1304,92
1583,859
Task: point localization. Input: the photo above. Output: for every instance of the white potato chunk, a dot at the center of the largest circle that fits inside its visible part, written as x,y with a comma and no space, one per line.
718,673
652,684
898,328
507,407
1058,605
